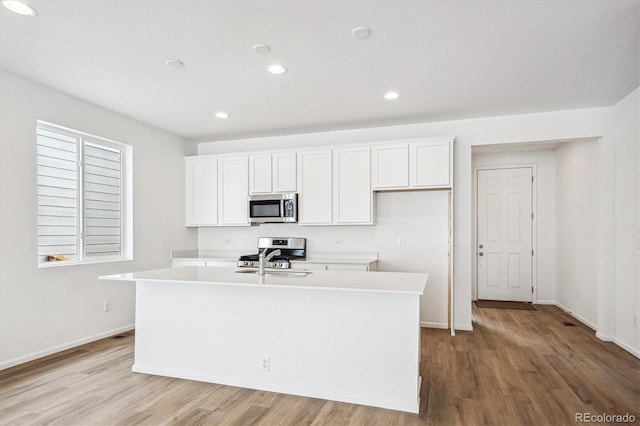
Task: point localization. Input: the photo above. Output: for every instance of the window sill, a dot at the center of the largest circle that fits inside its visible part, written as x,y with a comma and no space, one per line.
84,262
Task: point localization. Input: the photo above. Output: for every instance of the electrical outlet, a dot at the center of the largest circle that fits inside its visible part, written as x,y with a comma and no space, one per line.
106,306
227,241
339,242
266,363
577,295
400,241
635,320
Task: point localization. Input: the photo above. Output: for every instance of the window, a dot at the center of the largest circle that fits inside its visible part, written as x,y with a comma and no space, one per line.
84,197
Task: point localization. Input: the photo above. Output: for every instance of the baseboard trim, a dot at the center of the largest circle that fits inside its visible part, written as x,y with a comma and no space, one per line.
545,302
578,317
59,348
633,351
464,327
431,324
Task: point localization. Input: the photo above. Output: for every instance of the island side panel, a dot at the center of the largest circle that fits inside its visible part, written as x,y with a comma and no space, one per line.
352,346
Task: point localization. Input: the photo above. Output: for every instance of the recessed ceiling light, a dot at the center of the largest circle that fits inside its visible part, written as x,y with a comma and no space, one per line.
222,115
175,63
390,96
361,32
261,49
19,7
276,69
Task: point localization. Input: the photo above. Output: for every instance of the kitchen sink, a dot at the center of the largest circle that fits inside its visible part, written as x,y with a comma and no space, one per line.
275,273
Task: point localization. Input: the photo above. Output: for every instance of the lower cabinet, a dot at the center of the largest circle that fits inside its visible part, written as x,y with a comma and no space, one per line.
306,266
313,266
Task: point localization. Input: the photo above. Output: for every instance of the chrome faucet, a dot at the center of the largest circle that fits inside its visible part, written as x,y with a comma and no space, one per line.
264,258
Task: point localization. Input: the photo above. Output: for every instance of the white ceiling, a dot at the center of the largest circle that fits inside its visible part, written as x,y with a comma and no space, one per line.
449,59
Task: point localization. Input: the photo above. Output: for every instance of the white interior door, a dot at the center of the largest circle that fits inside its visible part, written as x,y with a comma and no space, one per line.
505,223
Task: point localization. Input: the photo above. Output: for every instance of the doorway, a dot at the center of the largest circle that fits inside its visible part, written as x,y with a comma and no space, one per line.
504,252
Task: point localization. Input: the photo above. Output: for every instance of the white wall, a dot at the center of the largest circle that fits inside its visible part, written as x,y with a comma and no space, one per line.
420,217
550,126
46,310
627,221
544,237
578,235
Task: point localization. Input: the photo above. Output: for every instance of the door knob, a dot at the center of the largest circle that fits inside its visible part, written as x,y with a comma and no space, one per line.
481,254
481,246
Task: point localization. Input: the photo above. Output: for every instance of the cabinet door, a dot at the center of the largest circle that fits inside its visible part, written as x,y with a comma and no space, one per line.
284,172
314,183
430,163
391,166
234,190
201,191
352,195
260,174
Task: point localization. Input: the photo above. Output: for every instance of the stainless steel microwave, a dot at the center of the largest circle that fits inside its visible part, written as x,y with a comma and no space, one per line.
273,208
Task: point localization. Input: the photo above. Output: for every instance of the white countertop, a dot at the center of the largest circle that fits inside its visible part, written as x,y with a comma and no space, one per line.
377,282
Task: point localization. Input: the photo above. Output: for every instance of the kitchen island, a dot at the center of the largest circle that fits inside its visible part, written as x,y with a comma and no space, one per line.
341,335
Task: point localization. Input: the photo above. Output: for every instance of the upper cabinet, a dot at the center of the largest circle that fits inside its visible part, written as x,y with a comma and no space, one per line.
352,195
260,174
391,166
269,173
430,164
412,165
216,191
284,172
233,176
315,190
335,184
201,191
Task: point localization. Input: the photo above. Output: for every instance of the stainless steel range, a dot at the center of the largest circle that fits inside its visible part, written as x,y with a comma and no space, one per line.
277,252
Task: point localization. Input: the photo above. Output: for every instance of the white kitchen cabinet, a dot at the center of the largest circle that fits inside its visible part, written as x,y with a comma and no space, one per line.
269,173
315,187
322,266
284,172
201,191
391,166
260,174
429,164
233,190
352,195
412,164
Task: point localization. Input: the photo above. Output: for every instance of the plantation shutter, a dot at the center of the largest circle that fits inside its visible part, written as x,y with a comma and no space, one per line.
102,200
79,190
58,219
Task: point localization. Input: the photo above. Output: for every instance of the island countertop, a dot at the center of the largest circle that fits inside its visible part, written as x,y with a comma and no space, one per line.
376,282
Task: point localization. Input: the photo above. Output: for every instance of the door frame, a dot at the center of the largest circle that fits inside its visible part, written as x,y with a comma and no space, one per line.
534,226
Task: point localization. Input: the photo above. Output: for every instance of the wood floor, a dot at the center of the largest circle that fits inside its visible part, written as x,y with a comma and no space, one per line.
516,368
